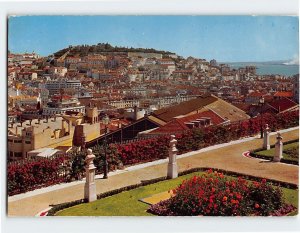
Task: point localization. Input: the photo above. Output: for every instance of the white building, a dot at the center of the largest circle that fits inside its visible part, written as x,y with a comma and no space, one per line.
165,62
134,113
62,107
54,87
124,103
59,71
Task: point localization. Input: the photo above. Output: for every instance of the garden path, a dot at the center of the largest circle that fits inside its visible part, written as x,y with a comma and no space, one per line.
228,158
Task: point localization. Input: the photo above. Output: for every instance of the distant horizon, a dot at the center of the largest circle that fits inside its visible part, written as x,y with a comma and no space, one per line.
223,38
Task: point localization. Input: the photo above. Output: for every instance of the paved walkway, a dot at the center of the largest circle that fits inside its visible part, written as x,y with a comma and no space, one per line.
229,157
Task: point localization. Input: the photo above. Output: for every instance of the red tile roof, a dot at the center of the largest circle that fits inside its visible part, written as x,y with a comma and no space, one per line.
178,124
256,94
58,97
243,106
114,124
184,108
282,104
287,94
268,98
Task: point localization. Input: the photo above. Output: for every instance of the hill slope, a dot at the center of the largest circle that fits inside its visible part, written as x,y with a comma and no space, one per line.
83,50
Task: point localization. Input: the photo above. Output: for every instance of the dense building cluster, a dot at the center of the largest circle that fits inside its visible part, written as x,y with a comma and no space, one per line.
58,101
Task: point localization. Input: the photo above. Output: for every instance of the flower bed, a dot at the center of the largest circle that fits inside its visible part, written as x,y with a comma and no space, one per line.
213,194
129,197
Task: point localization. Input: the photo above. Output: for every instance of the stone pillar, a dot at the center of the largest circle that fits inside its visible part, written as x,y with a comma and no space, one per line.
266,144
90,186
278,148
172,165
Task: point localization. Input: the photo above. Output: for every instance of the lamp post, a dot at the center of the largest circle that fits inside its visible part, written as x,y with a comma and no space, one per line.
261,103
82,142
105,121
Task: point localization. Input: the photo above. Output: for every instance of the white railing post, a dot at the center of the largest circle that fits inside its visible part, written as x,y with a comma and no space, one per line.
266,144
90,186
278,148
172,165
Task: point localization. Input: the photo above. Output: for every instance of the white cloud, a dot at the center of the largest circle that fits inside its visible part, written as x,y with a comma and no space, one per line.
294,61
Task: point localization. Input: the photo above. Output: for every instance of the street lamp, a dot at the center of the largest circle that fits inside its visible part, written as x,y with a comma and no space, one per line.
261,103
105,121
82,142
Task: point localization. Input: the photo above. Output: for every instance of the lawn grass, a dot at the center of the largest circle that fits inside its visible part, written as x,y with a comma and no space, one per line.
291,197
127,203
286,155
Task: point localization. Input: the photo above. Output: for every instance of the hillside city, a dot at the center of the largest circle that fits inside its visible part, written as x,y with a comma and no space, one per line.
95,127
59,101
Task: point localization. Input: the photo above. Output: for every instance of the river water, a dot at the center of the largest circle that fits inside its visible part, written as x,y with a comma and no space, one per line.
265,68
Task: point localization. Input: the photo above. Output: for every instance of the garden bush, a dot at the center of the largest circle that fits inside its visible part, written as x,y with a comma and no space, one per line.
77,162
144,150
28,175
190,140
113,158
213,194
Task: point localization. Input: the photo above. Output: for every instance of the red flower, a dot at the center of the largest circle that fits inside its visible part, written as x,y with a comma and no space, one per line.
238,196
256,184
209,171
256,206
235,201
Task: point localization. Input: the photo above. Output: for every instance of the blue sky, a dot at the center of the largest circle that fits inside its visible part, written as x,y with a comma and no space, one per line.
225,38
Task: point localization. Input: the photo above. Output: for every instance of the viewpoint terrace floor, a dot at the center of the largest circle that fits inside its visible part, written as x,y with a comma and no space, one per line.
227,156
